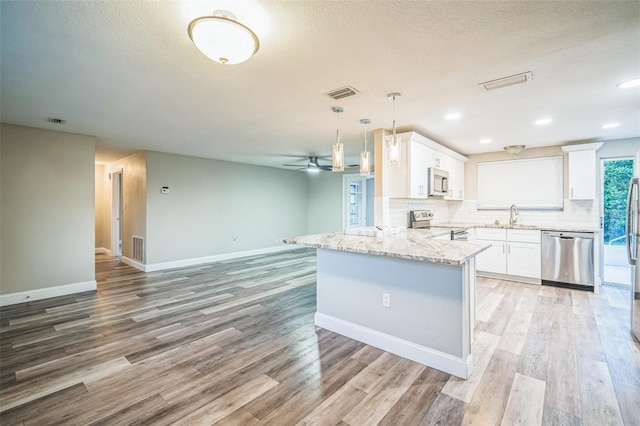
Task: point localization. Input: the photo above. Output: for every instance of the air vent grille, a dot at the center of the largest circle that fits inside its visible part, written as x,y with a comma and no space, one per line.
56,120
342,93
506,81
138,249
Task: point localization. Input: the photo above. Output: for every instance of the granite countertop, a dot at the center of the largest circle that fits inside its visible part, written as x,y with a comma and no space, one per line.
412,244
579,228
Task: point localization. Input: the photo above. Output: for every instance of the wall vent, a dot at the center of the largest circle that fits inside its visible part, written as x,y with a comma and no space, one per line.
56,120
138,249
506,81
342,93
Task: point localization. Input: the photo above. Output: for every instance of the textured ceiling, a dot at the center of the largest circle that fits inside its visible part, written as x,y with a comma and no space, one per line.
128,73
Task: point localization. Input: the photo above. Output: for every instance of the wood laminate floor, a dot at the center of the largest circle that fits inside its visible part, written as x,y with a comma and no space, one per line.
234,343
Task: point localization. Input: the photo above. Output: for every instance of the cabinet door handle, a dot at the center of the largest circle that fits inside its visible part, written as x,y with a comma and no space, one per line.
508,248
571,192
502,248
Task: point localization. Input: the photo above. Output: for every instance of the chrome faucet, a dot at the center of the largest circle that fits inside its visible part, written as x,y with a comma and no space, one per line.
513,214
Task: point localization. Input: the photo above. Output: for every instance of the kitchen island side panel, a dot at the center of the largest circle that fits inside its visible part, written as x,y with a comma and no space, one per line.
426,298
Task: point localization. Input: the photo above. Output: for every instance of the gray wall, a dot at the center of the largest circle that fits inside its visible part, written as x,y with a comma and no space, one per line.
47,208
211,201
324,202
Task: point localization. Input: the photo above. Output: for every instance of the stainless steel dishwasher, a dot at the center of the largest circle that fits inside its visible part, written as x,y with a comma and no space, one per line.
567,259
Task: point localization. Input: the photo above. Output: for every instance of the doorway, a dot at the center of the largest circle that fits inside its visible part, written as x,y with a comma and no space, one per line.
616,173
357,201
116,214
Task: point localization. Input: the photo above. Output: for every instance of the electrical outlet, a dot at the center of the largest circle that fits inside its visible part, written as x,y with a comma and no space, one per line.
386,300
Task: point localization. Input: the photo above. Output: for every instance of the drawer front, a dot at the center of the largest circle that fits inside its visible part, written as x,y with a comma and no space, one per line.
491,234
523,235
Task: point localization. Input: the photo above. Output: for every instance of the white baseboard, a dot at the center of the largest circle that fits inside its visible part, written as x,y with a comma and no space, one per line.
404,348
102,250
45,293
139,266
152,267
516,278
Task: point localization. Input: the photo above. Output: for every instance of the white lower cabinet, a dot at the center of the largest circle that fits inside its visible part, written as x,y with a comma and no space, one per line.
492,259
513,252
523,259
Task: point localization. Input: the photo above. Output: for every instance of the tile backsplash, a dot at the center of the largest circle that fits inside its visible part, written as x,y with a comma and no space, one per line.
575,213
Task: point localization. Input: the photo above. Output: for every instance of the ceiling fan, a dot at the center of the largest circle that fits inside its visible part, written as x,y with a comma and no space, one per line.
311,166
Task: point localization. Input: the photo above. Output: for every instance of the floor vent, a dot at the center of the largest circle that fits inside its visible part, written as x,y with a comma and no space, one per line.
343,92
138,249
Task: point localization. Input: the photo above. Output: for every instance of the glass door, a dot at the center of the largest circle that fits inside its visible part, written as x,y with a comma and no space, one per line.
358,201
616,174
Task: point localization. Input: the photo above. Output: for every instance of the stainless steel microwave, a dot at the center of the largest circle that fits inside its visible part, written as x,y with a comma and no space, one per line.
438,182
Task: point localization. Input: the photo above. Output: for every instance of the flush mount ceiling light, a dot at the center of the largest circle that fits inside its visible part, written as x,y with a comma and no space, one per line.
394,143
506,81
629,84
610,125
222,38
543,122
485,141
452,116
365,164
337,151
514,149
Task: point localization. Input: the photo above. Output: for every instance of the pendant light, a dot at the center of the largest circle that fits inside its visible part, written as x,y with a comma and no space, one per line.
365,163
338,148
394,143
222,38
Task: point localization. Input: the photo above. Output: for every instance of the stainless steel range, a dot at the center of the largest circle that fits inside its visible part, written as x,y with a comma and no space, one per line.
421,219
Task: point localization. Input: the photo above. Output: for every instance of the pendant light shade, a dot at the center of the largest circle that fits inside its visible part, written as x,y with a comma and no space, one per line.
222,38
394,143
338,148
365,162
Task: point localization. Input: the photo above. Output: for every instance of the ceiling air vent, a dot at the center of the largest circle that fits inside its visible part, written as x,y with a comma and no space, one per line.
506,81
56,120
343,92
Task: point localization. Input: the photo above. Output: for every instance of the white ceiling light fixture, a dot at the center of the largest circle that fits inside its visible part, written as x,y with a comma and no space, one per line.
514,149
543,122
365,163
452,116
337,152
394,143
506,81
610,125
485,141
222,38
630,83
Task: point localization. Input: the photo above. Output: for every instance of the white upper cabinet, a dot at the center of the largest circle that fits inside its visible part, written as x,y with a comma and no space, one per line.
455,168
418,154
582,170
410,179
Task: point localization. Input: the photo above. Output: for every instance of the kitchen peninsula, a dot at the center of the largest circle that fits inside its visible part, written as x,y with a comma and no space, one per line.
405,293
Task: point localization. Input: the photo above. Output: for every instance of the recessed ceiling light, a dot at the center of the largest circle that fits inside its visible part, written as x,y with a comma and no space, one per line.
452,116
610,125
630,83
543,122
485,141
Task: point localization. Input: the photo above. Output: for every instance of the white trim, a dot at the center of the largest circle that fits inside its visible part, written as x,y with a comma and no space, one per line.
45,293
582,147
404,348
139,266
102,250
207,259
516,278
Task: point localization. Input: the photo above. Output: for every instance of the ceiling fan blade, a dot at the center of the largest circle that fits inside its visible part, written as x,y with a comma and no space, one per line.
293,165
